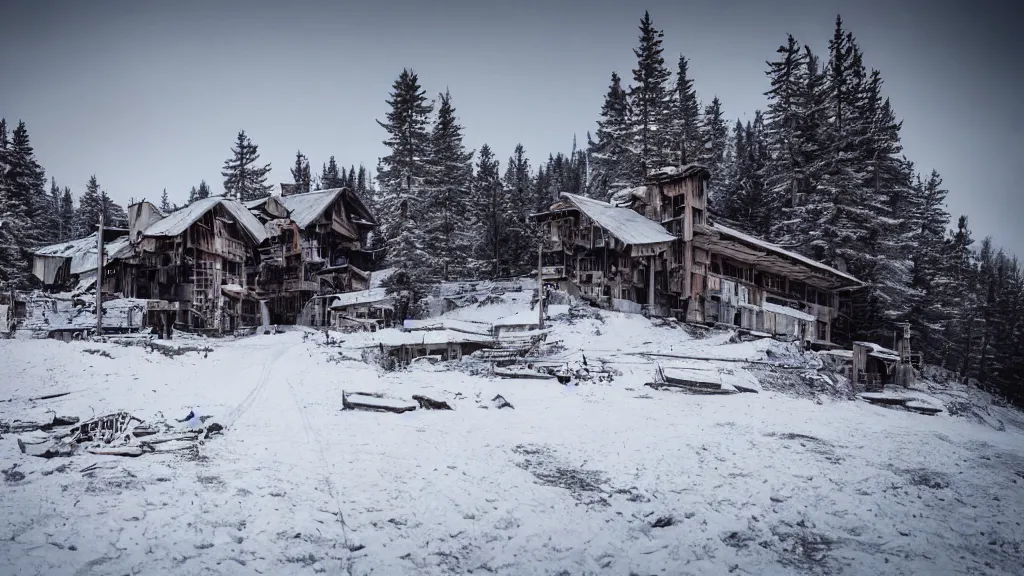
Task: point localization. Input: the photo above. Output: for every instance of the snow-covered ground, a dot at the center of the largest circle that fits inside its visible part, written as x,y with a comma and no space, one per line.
599,478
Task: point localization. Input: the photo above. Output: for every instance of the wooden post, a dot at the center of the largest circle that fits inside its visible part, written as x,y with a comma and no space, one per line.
540,283
99,278
650,285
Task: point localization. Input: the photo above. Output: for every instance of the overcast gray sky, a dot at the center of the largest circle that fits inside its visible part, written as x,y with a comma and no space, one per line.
150,95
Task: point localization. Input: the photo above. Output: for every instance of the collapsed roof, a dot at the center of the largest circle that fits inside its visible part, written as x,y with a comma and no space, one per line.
624,224
178,222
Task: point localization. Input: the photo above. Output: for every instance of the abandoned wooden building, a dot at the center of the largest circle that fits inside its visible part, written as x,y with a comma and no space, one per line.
192,262
655,249
71,266
316,246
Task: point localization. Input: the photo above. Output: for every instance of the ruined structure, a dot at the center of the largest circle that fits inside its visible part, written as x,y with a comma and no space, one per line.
317,249
655,249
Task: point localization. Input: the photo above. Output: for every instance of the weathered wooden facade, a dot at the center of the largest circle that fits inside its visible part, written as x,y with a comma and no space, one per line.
193,262
316,246
655,249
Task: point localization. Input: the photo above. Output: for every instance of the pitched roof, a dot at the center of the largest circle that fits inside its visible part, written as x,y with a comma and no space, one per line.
626,225
307,207
370,296
177,222
82,252
778,250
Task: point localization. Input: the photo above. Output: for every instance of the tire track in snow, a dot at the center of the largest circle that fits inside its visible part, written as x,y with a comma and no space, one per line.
250,399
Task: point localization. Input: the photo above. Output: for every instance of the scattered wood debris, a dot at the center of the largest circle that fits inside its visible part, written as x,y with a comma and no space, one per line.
431,404
373,403
900,401
499,402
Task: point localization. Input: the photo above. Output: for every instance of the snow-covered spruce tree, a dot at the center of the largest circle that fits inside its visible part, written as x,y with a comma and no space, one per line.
28,199
785,166
165,203
244,179
90,206
450,230
14,267
650,102
203,191
741,197
519,241
491,209
67,215
613,164
399,199
330,175
715,136
56,232
686,144
931,312
361,181
301,174
350,182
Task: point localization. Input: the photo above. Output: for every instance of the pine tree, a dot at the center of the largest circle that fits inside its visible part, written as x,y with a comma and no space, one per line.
28,201
331,177
518,184
450,235
650,101
244,179
90,207
361,181
301,174
165,203
350,182
491,210
406,163
67,215
613,163
687,140
715,136
14,267
56,227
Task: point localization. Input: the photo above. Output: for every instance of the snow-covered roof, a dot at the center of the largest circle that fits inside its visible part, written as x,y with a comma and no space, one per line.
82,252
787,311
370,296
307,207
399,338
725,231
626,225
177,222
377,277
880,352
668,172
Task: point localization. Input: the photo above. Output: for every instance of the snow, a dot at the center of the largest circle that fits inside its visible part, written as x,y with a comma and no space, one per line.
787,311
569,481
626,225
370,296
82,252
726,231
177,222
378,277
307,207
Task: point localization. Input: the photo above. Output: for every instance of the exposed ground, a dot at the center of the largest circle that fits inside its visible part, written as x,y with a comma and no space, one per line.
600,478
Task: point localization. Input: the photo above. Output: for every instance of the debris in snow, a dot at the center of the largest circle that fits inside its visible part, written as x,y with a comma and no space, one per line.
521,372
373,403
117,434
431,404
12,475
663,522
901,400
500,402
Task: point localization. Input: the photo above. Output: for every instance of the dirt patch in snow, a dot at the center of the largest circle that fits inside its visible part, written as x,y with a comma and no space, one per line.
549,470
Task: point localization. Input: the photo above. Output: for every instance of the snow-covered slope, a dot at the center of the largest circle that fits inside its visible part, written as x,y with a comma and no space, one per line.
599,478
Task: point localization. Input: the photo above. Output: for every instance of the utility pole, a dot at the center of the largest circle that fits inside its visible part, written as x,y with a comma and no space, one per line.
99,278
540,283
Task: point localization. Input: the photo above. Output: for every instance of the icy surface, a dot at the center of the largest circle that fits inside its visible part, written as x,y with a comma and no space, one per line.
598,478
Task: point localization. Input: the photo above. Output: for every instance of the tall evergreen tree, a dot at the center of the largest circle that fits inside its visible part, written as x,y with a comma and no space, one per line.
447,200
301,174
28,202
491,211
165,203
613,162
90,207
244,179
67,215
650,101
350,182
361,183
687,139
14,267
408,141
518,184
330,177
715,135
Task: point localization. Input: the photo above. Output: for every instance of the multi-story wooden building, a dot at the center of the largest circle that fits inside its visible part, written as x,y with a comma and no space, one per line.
654,248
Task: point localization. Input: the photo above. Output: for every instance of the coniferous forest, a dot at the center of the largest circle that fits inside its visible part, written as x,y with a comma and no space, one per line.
820,170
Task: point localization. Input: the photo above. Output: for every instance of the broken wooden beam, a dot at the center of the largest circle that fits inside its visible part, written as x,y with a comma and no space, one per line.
373,404
430,404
